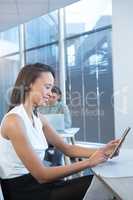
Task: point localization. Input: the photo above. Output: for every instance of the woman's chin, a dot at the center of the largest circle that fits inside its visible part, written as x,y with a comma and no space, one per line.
43,103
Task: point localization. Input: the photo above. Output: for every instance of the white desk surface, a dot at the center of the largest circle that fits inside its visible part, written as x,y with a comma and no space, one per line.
69,132
118,174
120,166
123,187
90,144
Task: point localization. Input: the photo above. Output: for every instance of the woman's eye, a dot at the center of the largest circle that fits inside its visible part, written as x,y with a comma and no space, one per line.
48,87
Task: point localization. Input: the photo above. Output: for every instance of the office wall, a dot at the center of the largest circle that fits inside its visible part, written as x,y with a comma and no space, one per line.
123,66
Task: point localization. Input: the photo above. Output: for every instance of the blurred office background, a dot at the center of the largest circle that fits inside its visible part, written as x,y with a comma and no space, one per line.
86,29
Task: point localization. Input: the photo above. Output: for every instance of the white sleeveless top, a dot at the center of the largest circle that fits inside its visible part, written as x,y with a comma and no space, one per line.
10,164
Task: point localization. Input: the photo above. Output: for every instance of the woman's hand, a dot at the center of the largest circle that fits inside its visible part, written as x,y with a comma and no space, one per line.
109,147
103,153
98,157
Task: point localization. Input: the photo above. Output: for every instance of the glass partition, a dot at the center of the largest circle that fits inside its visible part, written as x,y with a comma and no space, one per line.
9,42
9,67
87,15
42,30
89,59
89,84
47,55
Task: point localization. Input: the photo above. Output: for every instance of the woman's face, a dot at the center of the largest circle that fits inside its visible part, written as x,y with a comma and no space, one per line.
40,90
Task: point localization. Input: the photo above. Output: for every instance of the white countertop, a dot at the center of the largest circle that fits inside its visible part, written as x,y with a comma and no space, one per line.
120,166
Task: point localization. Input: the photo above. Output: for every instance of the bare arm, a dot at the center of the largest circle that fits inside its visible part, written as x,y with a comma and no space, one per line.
13,128
68,149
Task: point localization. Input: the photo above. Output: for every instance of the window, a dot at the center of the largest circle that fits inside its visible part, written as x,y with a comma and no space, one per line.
42,30
47,55
9,67
9,42
87,15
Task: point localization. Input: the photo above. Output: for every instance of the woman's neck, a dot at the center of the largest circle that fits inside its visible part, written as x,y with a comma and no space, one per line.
28,108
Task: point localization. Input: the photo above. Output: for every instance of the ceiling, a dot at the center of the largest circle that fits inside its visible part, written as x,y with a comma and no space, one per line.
13,12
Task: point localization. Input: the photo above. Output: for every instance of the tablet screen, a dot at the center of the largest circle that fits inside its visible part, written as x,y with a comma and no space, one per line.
120,143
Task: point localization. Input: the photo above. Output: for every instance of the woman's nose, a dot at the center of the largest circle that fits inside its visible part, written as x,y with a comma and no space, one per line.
50,93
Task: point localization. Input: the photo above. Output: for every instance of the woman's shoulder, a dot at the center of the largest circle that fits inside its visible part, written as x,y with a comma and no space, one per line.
62,105
10,122
15,110
12,117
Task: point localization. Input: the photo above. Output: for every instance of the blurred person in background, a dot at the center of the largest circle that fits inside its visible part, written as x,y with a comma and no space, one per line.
56,106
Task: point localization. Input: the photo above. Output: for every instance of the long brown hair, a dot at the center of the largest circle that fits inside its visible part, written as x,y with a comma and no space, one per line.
27,75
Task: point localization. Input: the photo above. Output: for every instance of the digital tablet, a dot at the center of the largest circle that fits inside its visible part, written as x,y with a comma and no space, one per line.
120,143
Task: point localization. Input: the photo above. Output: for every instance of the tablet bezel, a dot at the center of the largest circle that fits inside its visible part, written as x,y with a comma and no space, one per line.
120,143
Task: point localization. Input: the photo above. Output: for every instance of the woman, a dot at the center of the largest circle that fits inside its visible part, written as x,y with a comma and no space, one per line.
55,105
24,133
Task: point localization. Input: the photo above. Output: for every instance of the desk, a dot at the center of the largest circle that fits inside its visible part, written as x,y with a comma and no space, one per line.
90,144
122,187
117,174
69,135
